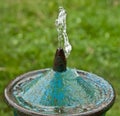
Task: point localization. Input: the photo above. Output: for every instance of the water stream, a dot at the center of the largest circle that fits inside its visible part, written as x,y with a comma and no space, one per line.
62,34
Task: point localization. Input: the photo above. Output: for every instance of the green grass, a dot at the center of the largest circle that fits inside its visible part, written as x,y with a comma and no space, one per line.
28,40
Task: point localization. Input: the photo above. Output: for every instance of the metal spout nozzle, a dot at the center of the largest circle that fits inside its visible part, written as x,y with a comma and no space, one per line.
59,61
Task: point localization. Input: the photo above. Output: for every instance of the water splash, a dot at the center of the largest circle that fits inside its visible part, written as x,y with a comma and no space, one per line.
62,34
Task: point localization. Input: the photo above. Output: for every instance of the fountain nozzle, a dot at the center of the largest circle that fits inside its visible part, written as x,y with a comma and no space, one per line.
59,61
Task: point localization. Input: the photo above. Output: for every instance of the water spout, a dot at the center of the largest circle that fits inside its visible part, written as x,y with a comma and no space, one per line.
62,34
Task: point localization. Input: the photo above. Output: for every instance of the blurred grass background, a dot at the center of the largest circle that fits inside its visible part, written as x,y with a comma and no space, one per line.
28,39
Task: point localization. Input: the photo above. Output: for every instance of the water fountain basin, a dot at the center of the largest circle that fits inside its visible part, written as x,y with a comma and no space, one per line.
75,93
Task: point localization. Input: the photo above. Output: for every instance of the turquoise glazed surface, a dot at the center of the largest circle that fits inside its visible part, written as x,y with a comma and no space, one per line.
70,92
